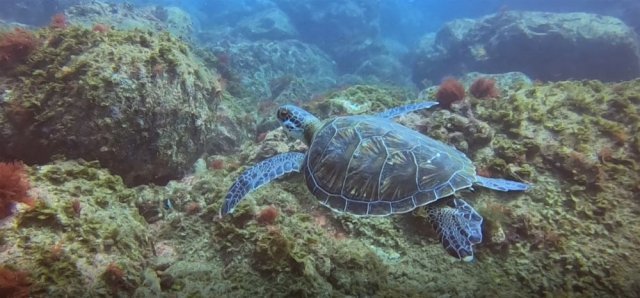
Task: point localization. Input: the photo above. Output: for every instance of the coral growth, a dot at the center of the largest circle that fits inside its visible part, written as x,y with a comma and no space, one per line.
100,28
76,207
450,91
14,284
484,88
58,21
116,278
108,70
192,208
16,46
217,164
267,216
13,187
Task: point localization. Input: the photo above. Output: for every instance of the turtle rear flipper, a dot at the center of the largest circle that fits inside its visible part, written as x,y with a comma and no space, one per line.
459,228
501,184
259,175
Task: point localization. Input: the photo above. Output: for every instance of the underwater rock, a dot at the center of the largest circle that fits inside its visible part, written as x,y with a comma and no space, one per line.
125,16
347,30
275,142
383,69
504,81
270,24
278,71
357,100
140,103
545,46
233,126
67,252
32,12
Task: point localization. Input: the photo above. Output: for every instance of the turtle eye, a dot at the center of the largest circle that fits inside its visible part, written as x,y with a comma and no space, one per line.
283,114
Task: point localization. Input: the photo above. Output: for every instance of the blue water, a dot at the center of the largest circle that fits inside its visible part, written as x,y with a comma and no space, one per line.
409,19
405,20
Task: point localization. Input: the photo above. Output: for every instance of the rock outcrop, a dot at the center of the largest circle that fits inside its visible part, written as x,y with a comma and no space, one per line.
545,46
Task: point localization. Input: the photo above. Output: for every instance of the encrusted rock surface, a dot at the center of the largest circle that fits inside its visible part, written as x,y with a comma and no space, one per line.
545,46
280,71
140,103
125,16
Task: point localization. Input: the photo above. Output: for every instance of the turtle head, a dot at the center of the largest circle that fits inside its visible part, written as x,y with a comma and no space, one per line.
297,122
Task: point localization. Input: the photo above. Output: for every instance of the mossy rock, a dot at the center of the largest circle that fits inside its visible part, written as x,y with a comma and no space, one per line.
359,99
67,249
139,102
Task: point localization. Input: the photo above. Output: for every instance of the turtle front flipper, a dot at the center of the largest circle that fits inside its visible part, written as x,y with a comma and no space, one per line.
459,227
261,174
395,112
501,184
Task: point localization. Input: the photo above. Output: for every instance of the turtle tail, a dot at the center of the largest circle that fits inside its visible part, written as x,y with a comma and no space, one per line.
459,227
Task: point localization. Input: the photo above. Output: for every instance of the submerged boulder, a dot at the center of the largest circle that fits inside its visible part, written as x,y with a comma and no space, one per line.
270,24
347,30
278,71
140,103
125,16
545,46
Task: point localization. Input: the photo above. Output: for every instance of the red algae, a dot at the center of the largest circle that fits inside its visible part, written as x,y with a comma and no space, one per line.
16,46
14,283
100,28
217,164
484,88
267,216
449,92
192,208
58,21
14,187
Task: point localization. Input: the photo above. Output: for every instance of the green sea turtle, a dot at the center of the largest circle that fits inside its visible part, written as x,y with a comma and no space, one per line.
370,165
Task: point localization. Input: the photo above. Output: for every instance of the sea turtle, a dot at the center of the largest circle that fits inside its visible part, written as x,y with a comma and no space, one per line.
370,165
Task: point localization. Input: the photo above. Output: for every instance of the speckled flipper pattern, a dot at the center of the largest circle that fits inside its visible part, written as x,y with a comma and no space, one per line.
501,184
261,174
395,112
459,228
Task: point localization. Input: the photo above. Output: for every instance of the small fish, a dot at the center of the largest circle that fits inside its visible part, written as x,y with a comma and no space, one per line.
168,204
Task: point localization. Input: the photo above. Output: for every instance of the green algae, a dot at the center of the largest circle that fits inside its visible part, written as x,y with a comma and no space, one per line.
66,248
573,234
359,99
575,141
103,95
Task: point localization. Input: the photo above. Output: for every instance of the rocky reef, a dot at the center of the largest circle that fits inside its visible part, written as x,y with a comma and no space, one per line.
545,46
574,233
139,102
84,235
347,30
125,16
131,138
274,71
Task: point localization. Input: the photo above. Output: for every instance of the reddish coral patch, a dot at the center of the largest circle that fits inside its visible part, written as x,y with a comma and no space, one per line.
449,92
14,186
217,164
101,28
13,283
484,88
58,21
192,208
267,216
16,46
76,207
115,277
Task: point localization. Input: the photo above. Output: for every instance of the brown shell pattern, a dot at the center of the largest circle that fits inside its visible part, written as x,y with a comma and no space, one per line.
372,166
